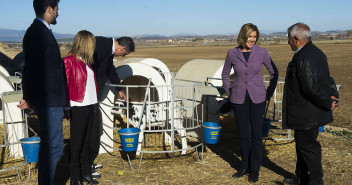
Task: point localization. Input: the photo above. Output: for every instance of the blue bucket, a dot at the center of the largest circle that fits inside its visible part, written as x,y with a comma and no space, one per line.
30,148
129,139
321,129
266,127
211,132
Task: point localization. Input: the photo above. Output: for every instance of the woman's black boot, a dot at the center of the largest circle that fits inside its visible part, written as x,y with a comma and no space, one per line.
253,176
240,173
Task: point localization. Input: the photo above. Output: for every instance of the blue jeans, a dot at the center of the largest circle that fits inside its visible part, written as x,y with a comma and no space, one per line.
51,142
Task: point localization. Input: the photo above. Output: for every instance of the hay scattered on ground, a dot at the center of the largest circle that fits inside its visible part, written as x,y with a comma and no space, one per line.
219,162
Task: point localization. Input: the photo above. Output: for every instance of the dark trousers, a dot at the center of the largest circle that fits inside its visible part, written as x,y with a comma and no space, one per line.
97,131
249,120
81,125
51,142
308,149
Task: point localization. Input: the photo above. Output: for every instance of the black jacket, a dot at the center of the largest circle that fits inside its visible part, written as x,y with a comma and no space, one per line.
308,90
103,64
43,80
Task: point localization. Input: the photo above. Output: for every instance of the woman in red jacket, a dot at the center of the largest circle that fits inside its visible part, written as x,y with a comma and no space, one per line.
83,95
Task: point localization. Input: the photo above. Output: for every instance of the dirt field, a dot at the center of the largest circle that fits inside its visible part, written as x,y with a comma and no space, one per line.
9,52
221,160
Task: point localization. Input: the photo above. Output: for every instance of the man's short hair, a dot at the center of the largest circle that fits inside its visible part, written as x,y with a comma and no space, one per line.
127,43
300,29
41,5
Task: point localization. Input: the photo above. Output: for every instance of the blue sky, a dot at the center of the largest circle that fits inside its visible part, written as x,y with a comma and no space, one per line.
169,17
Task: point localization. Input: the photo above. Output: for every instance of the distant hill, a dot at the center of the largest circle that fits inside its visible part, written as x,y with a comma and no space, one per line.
336,31
186,34
64,36
149,37
277,33
9,35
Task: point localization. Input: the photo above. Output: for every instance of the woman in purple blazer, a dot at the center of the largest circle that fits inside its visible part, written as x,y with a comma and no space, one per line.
247,95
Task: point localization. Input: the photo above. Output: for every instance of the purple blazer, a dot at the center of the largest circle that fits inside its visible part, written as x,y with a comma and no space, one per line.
247,76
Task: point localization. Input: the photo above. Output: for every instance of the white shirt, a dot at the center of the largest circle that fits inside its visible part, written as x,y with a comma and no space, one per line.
113,46
45,23
298,50
90,95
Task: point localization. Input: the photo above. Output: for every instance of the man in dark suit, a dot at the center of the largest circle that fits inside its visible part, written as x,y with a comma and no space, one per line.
310,96
105,51
44,86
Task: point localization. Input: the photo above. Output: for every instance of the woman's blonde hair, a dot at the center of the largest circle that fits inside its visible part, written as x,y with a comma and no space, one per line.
245,32
83,46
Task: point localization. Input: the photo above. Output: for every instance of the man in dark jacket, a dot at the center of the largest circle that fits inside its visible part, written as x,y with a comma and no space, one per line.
44,86
105,51
310,95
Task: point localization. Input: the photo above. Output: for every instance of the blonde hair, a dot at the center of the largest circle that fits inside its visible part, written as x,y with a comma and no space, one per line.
83,46
245,32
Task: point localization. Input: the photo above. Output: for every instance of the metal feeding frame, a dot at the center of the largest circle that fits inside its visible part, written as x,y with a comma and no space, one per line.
166,109
277,105
6,98
277,109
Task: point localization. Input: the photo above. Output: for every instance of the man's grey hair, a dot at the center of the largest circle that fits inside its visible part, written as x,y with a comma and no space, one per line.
301,30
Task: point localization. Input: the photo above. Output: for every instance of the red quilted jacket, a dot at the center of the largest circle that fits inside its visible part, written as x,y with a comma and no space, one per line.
76,74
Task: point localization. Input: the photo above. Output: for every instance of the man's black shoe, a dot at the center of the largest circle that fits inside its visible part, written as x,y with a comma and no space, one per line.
89,180
96,175
253,176
97,166
76,182
240,173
